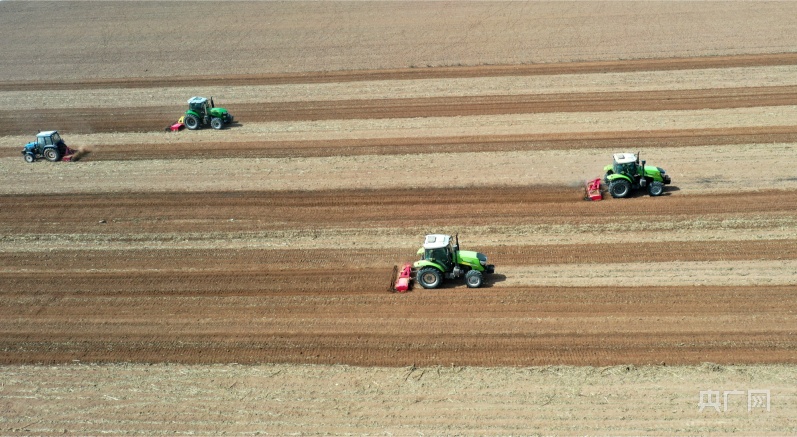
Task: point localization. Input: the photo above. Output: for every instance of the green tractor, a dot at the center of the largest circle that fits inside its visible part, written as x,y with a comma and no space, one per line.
441,258
202,112
626,174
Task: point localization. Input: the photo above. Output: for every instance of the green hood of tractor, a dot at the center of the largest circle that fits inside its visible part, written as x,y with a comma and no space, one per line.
654,172
218,112
471,258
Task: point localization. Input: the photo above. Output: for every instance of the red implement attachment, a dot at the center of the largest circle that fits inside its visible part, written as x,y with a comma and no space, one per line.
69,155
594,189
177,126
403,279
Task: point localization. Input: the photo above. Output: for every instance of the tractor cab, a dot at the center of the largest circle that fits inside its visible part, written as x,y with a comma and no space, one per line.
439,248
200,105
626,164
50,138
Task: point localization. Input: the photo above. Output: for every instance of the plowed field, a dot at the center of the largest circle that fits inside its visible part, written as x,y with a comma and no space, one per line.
273,240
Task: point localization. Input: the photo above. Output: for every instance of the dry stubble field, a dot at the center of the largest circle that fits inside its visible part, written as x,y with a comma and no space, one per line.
234,281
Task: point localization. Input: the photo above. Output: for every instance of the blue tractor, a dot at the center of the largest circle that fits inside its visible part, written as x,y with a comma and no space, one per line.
48,145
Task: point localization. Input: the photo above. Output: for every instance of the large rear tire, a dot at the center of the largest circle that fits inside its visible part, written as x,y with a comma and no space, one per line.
51,154
429,277
655,188
216,123
620,188
474,279
191,121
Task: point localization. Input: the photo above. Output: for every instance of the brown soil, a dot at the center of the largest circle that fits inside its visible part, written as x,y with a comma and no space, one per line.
90,120
330,305
271,243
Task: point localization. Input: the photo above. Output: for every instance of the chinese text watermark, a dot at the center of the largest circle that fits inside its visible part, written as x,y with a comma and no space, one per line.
756,399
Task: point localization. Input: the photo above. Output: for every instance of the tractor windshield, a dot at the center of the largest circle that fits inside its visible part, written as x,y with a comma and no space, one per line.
436,254
46,140
441,255
626,169
198,107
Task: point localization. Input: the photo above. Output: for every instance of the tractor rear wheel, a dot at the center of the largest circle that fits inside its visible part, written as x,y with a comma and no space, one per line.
191,121
29,157
620,188
429,277
655,188
474,279
216,123
51,155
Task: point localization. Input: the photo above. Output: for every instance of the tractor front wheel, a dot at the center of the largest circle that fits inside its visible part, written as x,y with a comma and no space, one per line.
655,188
191,121
216,123
429,277
620,188
51,155
474,279
29,157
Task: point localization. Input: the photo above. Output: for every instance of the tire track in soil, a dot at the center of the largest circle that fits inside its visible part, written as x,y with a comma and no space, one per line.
303,210
154,118
400,146
266,266
664,64
523,326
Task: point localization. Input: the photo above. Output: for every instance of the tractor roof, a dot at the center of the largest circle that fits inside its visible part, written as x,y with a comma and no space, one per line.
48,133
436,241
624,158
197,100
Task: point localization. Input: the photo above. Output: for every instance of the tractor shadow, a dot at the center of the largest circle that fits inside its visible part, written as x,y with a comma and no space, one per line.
635,194
459,283
493,279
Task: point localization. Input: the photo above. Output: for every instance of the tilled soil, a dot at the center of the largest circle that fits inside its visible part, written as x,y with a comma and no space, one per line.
360,128
140,287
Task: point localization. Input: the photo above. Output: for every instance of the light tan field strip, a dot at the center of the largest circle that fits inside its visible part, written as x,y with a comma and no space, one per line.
694,170
253,259
597,123
204,399
728,229
388,90
613,141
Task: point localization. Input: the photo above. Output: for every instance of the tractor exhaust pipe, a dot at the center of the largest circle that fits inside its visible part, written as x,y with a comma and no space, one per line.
456,247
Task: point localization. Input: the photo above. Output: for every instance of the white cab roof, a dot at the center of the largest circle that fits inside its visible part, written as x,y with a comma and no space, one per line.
624,158
197,100
46,133
436,241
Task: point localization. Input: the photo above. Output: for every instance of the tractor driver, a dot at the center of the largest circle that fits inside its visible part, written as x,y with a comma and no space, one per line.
441,256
